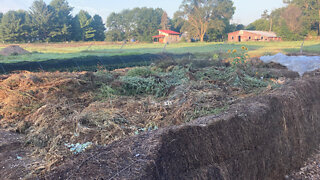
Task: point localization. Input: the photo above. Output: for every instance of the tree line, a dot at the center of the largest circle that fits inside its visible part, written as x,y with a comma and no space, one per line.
199,20
297,20
50,23
204,20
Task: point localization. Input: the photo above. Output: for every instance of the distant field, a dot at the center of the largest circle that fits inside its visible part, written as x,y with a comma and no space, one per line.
49,51
267,48
43,52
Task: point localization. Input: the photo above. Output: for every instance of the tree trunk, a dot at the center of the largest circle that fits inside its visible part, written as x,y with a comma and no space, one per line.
201,37
270,29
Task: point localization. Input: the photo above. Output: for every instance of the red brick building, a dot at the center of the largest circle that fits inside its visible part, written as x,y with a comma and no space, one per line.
245,35
167,36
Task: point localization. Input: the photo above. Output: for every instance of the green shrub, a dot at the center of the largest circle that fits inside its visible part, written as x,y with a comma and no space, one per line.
140,72
164,64
103,74
105,92
203,63
233,77
139,85
103,77
159,85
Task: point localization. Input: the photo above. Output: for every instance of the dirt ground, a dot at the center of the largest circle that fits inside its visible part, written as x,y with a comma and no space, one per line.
42,112
309,171
13,50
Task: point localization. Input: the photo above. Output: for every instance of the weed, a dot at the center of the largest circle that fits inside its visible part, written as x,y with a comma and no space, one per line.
103,76
164,64
140,72
231,76
139,86
196,64
204,111
106,92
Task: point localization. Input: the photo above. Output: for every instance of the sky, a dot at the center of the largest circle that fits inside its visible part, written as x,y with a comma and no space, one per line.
246,10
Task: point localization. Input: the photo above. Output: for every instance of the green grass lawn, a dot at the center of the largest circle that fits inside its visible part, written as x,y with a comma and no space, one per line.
269,48
43,52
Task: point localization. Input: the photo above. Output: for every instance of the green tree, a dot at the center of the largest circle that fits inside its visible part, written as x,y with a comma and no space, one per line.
293,18
85,21
177,22
260,25
148,23
240,27
288,22
76,31
98,26
42,20
311,12
266,16
201,15
164,21
138,23
62,20
15,26
114,24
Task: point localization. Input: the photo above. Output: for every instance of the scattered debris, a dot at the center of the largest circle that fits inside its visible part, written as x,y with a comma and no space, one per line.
78,148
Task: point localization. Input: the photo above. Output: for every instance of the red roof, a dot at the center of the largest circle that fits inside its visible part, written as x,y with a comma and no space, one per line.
169,32
158,36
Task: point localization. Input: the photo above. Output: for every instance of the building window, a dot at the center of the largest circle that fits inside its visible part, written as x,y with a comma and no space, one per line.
261,37
249,37
232,37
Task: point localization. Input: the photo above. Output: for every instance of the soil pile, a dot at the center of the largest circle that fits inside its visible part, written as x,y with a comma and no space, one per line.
13,50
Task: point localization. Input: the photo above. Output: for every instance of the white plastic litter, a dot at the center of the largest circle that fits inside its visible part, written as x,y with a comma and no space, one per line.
78,148
300,64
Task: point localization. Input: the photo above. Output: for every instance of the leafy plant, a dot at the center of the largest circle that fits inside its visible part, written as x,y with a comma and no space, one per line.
158,85
140,72
103,75
106,92
238,58
140,85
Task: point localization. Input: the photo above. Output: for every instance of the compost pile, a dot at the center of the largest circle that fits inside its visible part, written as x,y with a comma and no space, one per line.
13,50
63,113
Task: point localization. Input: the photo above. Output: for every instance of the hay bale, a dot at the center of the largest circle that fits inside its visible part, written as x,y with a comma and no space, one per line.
13,50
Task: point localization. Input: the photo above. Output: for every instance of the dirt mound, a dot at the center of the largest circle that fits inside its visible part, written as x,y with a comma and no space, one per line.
13,50
260,138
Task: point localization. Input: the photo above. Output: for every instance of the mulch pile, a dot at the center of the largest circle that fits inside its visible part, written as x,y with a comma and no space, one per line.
13,50
51,109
